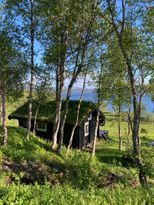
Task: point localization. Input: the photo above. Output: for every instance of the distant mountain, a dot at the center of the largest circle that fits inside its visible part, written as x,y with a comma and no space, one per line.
90,95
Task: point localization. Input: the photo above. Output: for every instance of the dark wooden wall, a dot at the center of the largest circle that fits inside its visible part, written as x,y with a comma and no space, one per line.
79,140
48,134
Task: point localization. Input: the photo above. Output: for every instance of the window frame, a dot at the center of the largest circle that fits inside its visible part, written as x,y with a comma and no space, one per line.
41,129
86,129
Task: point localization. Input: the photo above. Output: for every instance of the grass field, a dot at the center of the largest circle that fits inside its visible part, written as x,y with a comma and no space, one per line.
147,151
30,174
112,127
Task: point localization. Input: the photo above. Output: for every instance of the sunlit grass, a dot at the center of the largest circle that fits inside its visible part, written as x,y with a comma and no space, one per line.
112,127
77,179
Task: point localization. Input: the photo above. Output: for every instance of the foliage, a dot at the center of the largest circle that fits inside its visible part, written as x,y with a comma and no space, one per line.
151,89
43,86
11,79
143,130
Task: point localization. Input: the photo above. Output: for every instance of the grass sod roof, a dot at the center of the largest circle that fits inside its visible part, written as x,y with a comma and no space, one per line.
47,111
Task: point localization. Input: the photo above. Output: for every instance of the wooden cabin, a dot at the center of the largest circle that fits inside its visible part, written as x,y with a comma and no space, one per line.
84,131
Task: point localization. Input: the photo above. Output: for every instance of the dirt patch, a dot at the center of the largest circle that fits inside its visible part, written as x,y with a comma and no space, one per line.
31,172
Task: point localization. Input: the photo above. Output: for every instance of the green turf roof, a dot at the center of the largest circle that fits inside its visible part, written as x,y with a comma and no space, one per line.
47,111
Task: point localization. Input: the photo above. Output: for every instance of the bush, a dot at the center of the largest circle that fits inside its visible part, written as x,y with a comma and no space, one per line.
143,130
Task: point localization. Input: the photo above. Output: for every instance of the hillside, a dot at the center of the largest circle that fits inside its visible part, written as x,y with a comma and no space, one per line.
32,174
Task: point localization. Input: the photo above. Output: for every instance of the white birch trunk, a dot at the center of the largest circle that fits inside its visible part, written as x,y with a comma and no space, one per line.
56,125
77,117
119,129
95,134
4,123
32,30
35,120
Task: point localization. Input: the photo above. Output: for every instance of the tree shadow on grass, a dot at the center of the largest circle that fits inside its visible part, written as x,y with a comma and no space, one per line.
55,173
109,155
145,140
31,172
32,158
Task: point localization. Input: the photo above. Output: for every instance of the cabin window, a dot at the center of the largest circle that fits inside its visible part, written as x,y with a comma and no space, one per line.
24,123
86,129
40,126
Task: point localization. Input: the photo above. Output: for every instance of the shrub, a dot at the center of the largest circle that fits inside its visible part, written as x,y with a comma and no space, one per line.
143,130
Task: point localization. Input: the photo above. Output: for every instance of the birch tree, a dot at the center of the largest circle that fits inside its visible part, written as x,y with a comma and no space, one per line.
124,21
100,95
55,24
32,24
124,17
69,24
77,114
11,76
12,64
25,15
43,90
85,39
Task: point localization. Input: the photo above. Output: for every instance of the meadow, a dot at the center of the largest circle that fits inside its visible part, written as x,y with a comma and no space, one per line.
31,174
